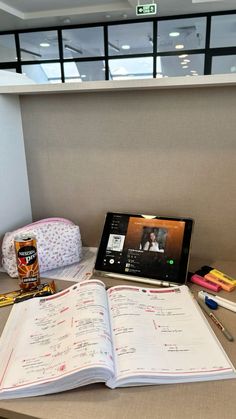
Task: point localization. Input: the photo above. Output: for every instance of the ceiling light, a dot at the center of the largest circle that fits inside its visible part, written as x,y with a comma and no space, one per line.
185,66
174,34
183,63
45,44
125,16
108,16
183,55
187,61
125,46
193,71
83,76
179,46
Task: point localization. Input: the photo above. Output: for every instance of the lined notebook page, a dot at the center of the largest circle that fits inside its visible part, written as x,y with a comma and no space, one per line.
161,333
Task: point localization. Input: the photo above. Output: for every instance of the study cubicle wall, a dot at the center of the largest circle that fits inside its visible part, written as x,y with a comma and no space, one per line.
170,152
15,207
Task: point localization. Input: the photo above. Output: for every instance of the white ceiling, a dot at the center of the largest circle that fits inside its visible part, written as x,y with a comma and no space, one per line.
23,14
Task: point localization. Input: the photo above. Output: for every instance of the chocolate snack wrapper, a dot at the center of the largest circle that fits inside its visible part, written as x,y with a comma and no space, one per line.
17,296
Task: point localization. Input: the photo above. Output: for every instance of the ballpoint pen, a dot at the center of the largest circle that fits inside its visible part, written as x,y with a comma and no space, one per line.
223,302
216,321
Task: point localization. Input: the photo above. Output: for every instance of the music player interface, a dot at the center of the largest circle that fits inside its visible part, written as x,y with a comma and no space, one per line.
144,246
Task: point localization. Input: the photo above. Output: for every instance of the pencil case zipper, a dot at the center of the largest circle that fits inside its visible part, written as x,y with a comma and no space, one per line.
44,221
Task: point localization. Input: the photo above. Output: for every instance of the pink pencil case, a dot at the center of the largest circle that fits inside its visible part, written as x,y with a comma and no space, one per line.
58,244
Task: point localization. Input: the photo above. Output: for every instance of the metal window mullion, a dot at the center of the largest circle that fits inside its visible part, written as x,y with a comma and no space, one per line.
208,56
105,29
60,46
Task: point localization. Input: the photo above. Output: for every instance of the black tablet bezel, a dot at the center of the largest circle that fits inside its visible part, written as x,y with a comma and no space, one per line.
184,258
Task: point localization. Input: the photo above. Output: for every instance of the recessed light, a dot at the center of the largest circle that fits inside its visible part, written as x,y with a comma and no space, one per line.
174,34
179,46
187,61
44,44
125,46
83,76
193,71
183,55
185,66
183,63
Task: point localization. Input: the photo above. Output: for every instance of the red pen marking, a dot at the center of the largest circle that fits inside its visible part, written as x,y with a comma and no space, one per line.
64,309
5,370
122,289
62,367
161,291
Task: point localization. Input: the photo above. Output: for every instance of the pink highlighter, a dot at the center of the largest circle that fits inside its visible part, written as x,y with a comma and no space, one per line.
199,280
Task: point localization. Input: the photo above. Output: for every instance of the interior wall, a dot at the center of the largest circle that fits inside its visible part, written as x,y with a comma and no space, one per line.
167,152
15,207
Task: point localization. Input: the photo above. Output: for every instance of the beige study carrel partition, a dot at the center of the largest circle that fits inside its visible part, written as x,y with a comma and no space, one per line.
148,147
166,151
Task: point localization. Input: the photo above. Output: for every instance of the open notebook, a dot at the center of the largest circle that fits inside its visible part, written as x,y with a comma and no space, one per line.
125,336
144,248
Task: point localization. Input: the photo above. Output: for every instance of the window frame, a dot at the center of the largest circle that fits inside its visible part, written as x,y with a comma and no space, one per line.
208,52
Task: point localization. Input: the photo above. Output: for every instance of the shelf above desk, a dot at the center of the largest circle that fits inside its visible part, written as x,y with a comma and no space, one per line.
123,85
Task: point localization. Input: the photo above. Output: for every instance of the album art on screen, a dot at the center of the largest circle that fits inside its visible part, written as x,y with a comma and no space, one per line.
145,246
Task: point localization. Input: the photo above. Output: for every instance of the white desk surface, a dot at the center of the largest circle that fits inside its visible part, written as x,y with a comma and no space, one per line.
204,400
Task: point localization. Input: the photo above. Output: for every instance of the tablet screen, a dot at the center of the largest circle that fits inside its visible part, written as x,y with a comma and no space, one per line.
145,246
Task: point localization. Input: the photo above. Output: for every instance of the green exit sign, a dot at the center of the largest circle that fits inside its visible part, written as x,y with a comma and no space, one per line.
146,9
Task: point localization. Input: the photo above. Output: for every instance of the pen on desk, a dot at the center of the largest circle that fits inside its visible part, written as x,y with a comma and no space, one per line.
216,321
223,302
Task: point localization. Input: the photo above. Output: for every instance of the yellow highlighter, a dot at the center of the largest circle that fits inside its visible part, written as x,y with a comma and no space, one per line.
223,276
224,285
218,277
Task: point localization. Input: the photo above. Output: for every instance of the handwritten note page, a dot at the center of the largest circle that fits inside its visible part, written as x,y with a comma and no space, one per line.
70,332
160,332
